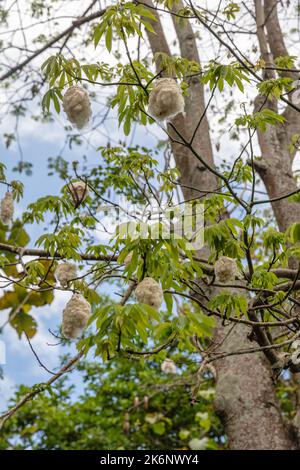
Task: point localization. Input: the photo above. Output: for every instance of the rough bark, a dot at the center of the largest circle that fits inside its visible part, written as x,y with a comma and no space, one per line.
193,174
275,168
246,399
245,393
276,171
277,175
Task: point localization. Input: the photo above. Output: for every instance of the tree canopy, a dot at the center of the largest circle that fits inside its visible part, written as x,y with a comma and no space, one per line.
199,129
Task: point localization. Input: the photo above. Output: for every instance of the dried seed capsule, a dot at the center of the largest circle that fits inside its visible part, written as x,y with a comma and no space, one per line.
136,402
77,106
126,427
75,316
7,208
65,272
198,444
79,191
166,100
146,402
225,269
168,366
149,292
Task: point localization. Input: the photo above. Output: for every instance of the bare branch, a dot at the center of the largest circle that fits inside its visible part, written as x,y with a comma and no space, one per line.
67,32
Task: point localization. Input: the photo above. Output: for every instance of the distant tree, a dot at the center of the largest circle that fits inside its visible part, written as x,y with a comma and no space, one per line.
124,405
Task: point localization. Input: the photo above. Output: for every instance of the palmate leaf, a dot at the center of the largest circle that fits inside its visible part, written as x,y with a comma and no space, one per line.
164,331
28,299
123,20
229,304
231,10
217,74
260,120
295,232
194,322
23,322
17,235
203,324
275,87
8,300
52,95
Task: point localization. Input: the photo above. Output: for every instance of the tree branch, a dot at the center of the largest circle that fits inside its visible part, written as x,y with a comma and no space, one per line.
67,32
45,254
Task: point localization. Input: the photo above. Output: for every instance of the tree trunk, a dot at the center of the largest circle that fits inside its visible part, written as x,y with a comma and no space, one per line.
275,168
276,172
245,396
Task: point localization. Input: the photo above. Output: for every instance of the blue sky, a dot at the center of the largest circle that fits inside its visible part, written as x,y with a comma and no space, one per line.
21,366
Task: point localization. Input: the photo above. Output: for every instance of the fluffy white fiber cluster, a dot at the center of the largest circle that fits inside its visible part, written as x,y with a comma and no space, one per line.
79,191
198,444
168,366
75,316
7,208
225,269
166,100
77,106
149,292
65,272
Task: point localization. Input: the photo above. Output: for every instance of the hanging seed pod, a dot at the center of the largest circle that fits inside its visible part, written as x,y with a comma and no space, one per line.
149,292
146,402
65,272
126,423
75,316
168,366
7,208
77,106
225,269
79,191
126,427
198,444
136,402
166,100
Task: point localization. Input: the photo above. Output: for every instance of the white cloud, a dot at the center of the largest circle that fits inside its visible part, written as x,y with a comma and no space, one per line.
55,309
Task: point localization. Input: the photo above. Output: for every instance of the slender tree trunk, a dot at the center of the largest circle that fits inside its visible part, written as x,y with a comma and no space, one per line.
245,397
275,167
277,175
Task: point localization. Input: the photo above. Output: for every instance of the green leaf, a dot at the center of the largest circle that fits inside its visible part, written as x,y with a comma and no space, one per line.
108,38
159,428
56,103
24,322
296,232
127,124
169,301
